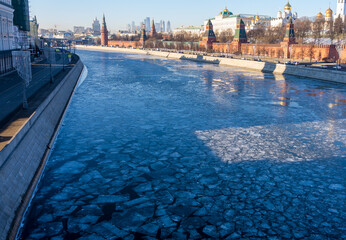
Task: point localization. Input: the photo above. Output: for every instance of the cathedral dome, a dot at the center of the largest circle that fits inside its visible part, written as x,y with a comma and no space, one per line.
319,15
288,6
225,12
257,17
329,13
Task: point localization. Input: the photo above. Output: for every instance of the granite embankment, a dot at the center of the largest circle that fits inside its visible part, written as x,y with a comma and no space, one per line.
23,157
300,71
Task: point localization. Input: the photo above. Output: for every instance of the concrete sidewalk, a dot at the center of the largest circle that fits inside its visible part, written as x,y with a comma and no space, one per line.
11,87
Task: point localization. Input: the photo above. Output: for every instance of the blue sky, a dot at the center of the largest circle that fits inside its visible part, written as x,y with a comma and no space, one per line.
68,13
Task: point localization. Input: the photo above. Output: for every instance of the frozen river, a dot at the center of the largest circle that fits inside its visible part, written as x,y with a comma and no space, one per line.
156,148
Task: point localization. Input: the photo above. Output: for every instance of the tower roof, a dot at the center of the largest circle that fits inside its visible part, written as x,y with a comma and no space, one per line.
319,15
104,21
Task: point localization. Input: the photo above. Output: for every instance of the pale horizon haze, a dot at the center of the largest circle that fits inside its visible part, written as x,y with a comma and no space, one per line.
68,13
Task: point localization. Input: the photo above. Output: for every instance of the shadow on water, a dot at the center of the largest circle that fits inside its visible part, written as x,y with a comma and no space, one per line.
183,158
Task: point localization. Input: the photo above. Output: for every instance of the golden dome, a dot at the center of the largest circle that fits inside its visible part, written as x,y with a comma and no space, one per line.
319,15
253,20
257,17
329,13
288,6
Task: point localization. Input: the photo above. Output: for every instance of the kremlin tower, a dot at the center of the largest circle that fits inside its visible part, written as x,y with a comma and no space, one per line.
143,37
104,32
289,39
208,37
239,36
153,29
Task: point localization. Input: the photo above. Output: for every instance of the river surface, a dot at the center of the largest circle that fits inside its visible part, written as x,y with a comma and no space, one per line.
158,148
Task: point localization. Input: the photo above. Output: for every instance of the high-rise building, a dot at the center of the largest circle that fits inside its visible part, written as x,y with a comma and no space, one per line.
163,26
133,27
78,29
158,27
21,20
169,29
147,24
96,27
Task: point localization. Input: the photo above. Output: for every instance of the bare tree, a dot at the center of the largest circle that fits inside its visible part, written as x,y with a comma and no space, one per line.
302,53
311,51
317,30
256,35
302,27
225,36
330,31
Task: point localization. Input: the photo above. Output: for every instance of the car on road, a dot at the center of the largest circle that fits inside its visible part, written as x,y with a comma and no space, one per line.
288,63
337,67
324,66
295,63
276,61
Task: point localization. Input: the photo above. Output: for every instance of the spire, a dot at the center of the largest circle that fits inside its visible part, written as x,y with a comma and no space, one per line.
240,33
104,21
290,35
153,29
104,32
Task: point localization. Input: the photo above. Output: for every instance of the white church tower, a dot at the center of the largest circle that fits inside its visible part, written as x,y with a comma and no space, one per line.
341,9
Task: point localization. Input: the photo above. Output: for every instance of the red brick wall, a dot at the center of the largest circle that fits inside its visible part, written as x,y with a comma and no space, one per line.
314,52
343,54
297,51
124,43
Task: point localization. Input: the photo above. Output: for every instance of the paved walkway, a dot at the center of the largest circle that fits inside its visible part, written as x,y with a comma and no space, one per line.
12,116
11,87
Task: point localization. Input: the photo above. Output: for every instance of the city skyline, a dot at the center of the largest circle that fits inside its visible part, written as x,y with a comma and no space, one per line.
82,12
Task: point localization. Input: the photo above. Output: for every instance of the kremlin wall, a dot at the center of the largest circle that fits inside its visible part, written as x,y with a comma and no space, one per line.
287,49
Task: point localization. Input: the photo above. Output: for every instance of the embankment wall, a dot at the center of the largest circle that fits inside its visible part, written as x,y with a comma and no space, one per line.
314,73
22,160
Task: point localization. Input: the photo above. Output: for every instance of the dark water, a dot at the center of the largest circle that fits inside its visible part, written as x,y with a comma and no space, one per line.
156,148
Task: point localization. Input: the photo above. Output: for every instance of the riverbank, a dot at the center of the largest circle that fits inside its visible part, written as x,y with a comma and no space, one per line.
25,145
300,71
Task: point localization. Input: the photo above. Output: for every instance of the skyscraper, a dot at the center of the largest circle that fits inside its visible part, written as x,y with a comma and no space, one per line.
96,27
169,29
147,24
133,27
163,26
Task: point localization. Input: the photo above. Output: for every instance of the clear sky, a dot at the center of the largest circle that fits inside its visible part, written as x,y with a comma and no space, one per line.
68,13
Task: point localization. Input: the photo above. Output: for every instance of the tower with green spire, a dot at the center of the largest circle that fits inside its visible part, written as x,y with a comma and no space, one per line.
289,39
104,32
208,37
290,35
240,33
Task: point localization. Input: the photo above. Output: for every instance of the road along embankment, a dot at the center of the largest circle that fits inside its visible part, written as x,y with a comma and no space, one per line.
300,71
23,159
